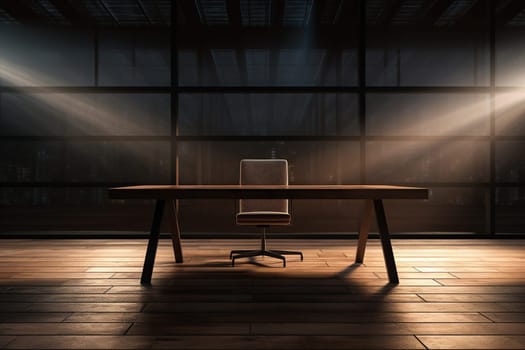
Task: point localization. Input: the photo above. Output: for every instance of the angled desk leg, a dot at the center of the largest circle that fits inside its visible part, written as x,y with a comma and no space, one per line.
363,232
149,261
388,254
173,214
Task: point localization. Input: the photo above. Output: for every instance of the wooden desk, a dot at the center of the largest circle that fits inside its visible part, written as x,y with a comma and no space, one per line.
373,194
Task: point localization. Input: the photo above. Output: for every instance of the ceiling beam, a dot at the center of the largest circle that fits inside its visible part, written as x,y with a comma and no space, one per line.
153,12
315,14
290,38
21,10
507,13
433,11
391,9
277,13
347,13
108,11
143,11
276,21
233,9
75,15
477,16
190,12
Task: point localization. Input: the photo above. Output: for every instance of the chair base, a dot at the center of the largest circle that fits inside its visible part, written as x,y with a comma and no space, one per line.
277,254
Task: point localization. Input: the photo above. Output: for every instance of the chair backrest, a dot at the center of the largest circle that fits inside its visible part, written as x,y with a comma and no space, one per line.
263,172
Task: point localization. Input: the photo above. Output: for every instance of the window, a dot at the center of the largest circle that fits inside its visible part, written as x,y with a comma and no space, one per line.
423,93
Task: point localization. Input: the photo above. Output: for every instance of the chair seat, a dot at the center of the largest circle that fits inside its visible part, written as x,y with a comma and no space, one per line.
255,218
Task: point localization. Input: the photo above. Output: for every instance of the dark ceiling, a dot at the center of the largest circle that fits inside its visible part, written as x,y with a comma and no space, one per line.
262,13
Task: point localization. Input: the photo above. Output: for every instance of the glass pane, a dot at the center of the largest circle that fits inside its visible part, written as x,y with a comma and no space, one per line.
97,161
31,161
510,163
71,208
510,206
448,209
464,114
134,58
46,56
510,113
24,114
417,161
510,55
268,114
427,58
325,162
37,196
138,161
301,66
45,114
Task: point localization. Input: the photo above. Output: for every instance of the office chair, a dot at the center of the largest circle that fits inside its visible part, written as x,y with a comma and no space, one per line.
263,212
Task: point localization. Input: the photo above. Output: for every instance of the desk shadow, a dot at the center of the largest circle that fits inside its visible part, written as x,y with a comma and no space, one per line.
255,300
195,303
348,270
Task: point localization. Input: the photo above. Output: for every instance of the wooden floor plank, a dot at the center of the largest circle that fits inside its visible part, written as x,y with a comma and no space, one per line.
38,289
502,281
304,328
33,316
474,341
505,316
288,342
332,307
470,298
80,342
71,307
305,316
193,328
63,328
52,275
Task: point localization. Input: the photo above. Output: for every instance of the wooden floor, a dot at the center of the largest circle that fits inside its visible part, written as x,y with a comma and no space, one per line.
85,294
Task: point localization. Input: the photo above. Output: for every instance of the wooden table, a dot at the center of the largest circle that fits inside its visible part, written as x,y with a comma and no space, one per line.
372,194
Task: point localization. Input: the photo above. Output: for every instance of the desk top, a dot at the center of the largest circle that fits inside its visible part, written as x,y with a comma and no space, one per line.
268,192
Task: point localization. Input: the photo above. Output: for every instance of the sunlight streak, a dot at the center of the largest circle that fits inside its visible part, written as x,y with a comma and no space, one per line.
84,115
